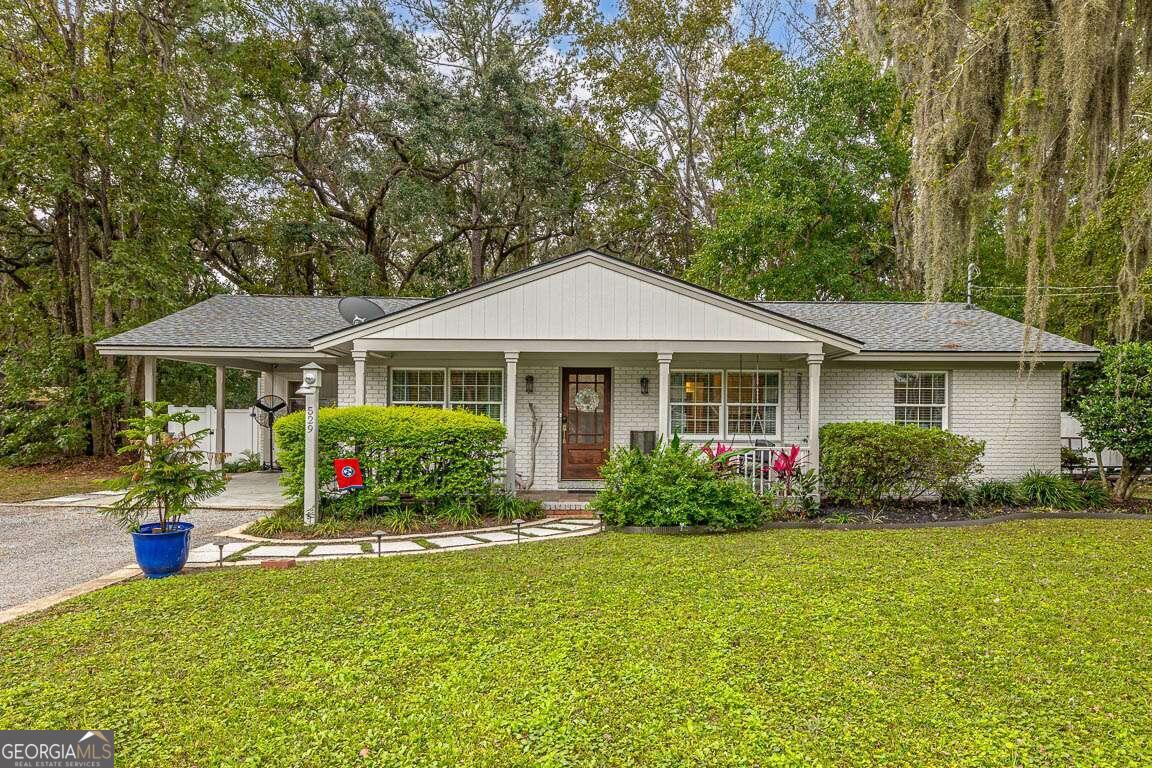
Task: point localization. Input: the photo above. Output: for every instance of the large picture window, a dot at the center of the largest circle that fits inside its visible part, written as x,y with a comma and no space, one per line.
729,405
921,398
418,386
479,390
752,401
696,398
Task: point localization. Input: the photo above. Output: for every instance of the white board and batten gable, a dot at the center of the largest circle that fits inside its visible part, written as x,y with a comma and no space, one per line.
587,297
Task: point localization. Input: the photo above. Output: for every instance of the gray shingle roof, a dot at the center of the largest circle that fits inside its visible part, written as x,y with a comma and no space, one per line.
291,322
915,327
265,322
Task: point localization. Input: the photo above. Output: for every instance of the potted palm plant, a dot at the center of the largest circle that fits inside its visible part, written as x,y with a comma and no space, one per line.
164,483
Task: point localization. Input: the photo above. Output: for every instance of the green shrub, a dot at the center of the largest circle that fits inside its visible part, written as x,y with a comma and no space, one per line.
246,461
1042,489
673,486
1095,495
434,457
957,494
1001,492
872,462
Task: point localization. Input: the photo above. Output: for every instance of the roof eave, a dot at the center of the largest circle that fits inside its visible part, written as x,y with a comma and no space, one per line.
975,356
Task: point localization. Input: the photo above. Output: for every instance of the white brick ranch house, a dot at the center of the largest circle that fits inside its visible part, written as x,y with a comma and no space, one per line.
588,352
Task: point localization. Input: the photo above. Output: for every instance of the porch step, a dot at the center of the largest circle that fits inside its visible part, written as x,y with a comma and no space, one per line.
574,508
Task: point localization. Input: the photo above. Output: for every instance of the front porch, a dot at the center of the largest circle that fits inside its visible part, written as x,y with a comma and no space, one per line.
565,411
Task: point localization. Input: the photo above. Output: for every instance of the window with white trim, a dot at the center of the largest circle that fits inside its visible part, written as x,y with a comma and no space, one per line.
725,404
921,398
477,390
753,403
696,398
418,386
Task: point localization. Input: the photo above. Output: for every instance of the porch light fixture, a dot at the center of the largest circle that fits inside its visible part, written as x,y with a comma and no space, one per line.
643,385
529,383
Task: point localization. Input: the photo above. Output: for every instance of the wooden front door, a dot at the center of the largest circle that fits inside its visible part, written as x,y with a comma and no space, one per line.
585,422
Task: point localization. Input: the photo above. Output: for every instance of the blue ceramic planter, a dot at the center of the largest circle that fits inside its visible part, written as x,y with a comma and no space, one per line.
162,554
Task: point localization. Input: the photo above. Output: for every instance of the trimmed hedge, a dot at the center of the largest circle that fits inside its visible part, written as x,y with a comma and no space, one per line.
869,462
672,486
442,458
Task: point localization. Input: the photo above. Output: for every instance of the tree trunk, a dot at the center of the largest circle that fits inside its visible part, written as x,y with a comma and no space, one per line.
1129,478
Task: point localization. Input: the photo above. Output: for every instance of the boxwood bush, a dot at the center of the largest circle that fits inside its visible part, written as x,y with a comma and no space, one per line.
442,459
870,463
673,486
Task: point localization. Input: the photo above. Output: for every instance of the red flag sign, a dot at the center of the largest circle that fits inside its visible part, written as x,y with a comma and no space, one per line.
348,475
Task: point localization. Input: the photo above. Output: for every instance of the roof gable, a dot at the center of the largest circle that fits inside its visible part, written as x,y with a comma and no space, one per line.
587,296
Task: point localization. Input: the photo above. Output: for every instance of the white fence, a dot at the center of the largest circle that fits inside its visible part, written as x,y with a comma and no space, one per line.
1070,438
755,466
241,432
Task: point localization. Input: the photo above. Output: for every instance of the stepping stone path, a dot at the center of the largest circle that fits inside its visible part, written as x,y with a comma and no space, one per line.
207,555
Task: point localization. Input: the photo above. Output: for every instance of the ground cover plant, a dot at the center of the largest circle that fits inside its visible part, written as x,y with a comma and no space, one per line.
1015,644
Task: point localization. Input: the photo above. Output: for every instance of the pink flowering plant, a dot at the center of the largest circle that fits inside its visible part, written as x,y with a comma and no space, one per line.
795,487
722,459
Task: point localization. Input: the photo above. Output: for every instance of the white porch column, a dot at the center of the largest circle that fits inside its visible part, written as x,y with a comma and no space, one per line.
267,451
310,388
814,361
360,364
510,361
221,373
664,361
149,366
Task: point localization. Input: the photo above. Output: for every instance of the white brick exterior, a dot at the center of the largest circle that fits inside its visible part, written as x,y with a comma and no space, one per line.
1018,418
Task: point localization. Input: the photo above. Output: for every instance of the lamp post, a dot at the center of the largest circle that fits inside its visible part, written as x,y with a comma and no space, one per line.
379,542
519,523
310,389
221,547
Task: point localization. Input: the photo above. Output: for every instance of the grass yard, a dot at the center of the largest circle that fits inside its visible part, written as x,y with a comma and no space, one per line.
1021,644
42,481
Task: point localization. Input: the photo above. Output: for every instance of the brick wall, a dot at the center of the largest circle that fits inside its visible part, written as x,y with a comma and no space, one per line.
1018,419
375,384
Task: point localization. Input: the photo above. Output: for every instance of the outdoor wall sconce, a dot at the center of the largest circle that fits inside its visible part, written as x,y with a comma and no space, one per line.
529,384
643,385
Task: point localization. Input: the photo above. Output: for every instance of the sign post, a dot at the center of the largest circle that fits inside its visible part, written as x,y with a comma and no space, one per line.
310,389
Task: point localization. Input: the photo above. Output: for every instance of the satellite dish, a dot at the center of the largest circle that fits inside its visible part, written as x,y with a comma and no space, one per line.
356,310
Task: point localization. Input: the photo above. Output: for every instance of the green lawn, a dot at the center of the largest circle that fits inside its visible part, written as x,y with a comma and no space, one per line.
1014,644
63,478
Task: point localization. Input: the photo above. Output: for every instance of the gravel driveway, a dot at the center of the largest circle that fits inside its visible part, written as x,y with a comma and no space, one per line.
46,549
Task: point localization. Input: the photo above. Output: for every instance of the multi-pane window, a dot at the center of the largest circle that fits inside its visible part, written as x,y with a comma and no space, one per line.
725,404
752,402
418,386
478,391
921,399
696,398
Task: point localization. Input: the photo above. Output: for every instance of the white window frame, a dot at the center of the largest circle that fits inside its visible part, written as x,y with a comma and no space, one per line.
416,403
453,404
775,436
445,400
723,433
945,422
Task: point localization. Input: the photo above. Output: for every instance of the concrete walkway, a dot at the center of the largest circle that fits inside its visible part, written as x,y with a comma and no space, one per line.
228,551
